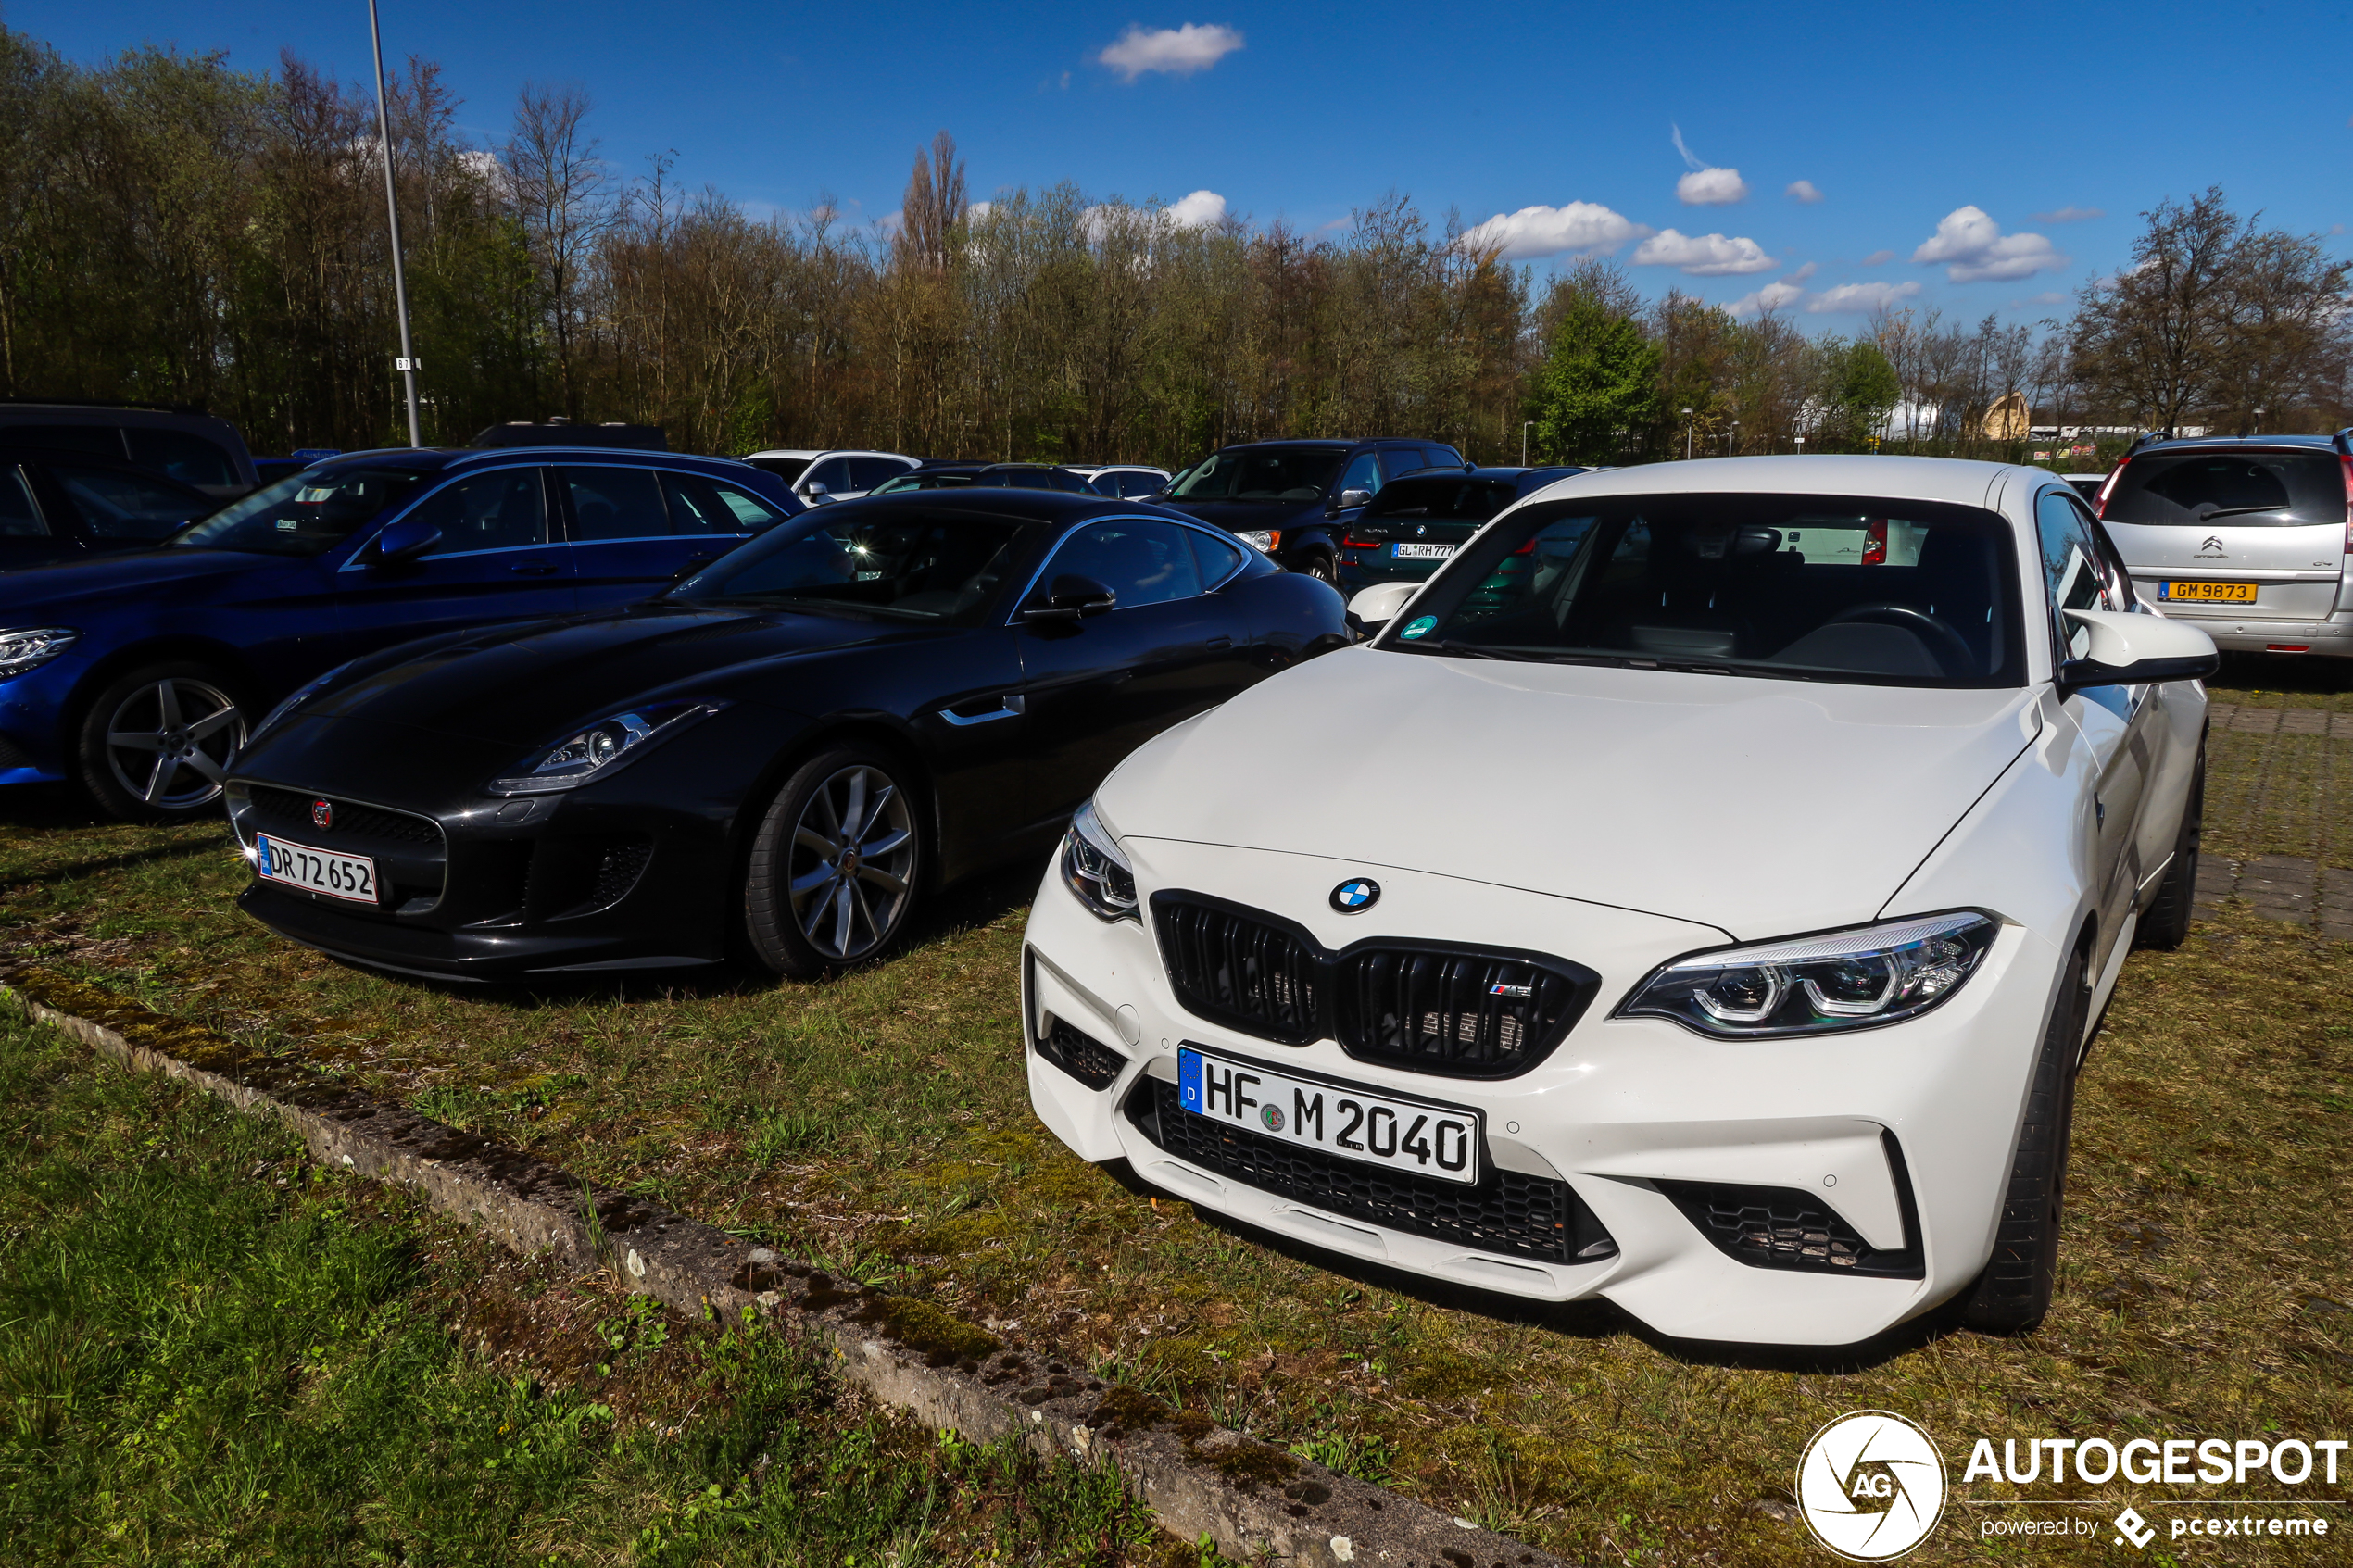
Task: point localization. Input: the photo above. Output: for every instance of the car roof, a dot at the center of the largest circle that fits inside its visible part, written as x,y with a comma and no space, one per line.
1038,508
2241,442
1302,443
435,458
1960,481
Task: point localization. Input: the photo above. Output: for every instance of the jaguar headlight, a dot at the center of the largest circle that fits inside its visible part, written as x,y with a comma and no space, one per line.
1855,978
597,749
33,647
1094,868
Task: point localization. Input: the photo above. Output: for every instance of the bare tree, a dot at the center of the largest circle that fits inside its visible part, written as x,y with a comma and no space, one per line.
933,205
558,186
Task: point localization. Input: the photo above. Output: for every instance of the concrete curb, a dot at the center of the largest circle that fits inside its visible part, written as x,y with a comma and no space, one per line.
1250,1499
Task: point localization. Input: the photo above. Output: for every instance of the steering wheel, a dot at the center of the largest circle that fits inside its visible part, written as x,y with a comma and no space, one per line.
1947,645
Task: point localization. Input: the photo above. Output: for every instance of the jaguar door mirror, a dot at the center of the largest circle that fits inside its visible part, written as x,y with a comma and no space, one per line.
1070,600
403,541
2130,649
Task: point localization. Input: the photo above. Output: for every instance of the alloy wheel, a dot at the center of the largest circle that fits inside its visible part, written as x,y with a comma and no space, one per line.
170,743
852,863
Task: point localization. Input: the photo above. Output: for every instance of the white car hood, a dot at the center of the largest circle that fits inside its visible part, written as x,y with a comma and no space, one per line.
1760,806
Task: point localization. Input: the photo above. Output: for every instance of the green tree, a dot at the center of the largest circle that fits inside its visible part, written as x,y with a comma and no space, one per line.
1599,382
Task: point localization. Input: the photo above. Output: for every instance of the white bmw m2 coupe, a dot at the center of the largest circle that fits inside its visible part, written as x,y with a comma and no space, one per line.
1701,894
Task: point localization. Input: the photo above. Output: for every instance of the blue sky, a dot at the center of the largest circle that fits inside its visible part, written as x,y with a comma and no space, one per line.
1953,152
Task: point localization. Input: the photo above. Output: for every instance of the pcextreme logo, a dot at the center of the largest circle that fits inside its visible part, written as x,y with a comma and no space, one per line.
1871,1486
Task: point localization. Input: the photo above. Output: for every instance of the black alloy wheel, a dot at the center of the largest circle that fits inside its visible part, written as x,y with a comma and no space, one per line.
1322,567
2166,924
156,744
2014,1292
836,866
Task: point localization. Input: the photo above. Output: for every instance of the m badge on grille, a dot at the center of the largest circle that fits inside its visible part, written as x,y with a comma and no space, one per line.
1356,895
322,814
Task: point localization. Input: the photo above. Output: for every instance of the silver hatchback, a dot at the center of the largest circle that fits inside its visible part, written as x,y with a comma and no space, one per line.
2246,536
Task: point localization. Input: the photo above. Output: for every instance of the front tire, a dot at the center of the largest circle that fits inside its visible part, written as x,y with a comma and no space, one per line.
2167,925
1322,567
157,743
836,866
2014,1292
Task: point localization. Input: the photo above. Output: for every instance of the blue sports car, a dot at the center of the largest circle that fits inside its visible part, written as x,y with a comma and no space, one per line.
138,674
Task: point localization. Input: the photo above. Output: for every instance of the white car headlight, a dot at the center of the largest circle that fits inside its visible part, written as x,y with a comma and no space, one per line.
1095,871
597,749
29,649
1261,538
1855,978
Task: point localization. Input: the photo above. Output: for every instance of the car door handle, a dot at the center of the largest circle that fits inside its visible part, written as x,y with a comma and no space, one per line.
1011,706
1219,644
535,569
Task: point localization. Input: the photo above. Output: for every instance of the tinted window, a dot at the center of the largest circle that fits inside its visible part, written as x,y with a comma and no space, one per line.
502,510
832,474
1809,587
705,506
191,459
785,469
1446,457
1138,483
19,518
2074,570
115,505
306,514
1142,561
2242,489
99,440
883,562
1217,558
1279,474
1362,474
1403,459
1467,500
867,472
614,502
921,482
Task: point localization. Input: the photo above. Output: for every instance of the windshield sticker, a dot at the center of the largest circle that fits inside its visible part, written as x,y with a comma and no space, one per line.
1419,626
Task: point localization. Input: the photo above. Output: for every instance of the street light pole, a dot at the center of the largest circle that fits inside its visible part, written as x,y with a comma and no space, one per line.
1687,413
1523,442
408,360
1731,436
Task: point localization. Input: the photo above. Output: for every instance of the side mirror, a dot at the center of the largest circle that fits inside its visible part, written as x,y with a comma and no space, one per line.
1072,598
1351,499
403,541
1377,606
2136,650
817,492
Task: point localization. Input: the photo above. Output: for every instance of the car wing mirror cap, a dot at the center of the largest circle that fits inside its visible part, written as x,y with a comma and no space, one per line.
402,541
1073,598
1351,499
2130,648
1375,607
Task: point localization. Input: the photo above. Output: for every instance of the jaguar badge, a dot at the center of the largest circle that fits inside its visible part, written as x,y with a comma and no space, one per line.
322,814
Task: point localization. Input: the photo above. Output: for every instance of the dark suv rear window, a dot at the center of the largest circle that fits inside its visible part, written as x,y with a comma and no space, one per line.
1454,499
2242,489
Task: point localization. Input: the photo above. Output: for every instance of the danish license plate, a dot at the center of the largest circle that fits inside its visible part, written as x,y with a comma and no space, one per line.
1442,1141
2207,593
1424,552
315,871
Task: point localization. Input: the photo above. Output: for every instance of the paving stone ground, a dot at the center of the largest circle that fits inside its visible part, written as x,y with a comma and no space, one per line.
2279,780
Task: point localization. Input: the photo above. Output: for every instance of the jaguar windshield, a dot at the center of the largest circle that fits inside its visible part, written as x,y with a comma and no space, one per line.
874,561
1261,473
303,514
1801,587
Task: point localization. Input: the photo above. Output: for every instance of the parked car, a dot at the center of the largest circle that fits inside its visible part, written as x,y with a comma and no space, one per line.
2246,536
268,470
1031,476
781,756
65,506
2087,485
931,476
1417,522
137,673
561,432
180,444
1295,499
1125,481
819,477
1609,997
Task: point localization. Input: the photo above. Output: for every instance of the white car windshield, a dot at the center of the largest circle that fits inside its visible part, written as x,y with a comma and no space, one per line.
1803,588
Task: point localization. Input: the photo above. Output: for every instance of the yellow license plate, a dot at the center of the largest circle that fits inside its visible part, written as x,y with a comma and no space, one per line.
2209,593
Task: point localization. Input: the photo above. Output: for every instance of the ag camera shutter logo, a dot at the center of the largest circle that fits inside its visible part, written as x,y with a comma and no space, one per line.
1871,1486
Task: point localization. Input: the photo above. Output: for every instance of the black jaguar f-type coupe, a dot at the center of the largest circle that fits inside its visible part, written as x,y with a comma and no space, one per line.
776,758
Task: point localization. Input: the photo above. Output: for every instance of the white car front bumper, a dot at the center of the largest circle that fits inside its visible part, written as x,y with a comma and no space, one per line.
1630,1114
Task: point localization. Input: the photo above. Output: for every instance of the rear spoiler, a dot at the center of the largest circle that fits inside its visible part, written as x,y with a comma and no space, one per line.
2343,442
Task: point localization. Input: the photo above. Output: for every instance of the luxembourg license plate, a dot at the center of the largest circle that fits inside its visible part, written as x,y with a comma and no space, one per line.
1428,1139
1424,552
315,871
2207,593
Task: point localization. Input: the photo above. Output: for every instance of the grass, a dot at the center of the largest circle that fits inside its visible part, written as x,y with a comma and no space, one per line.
215,1352
880,1125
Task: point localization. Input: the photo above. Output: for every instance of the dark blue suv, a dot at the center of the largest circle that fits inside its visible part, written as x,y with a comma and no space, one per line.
1295,499
140,674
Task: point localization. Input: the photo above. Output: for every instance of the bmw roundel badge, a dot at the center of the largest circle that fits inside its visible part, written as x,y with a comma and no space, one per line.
322,814
1355,895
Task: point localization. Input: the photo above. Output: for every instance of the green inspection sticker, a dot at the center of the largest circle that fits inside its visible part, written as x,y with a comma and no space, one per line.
1419,626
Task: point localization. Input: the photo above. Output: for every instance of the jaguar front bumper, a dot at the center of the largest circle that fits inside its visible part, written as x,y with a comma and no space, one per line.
1811,1191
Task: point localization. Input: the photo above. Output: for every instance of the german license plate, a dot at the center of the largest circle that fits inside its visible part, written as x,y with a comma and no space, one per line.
1428,1139
315,871
2207,593
1424,552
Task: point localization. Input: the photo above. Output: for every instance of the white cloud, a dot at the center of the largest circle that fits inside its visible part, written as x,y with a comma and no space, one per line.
1202,209
977,209
1973,248
1702,255
1879,257
1549,230
1772,296
2070,214
1803,273
1802,190
1859,298
1705,185
2048,297
1174,51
